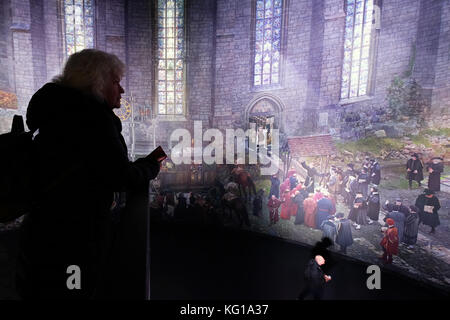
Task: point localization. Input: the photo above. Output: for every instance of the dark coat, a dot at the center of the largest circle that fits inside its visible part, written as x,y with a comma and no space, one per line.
298,199
373,201
429,219
80,150
363,183
375,174
393,207
257,205
275,187
354,186
358,213
414,165
314,275
311,174
399,220
434,179
344,236
411,228
328,229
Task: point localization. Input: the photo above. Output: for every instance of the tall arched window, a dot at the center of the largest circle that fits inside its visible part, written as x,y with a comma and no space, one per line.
267,42
170,65
358,54
78,25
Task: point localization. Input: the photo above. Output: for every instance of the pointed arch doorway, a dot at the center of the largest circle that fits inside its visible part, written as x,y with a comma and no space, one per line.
266,112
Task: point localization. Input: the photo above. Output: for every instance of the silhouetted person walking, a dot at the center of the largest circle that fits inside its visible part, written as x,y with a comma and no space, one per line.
315,279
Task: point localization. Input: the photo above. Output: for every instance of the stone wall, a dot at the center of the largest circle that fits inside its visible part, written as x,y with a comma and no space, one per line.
414,36
6,81
441,90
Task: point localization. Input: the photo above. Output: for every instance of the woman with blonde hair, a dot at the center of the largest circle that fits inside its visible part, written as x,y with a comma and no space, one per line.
81,164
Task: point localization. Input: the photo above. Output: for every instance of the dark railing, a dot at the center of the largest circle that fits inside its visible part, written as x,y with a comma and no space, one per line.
186,176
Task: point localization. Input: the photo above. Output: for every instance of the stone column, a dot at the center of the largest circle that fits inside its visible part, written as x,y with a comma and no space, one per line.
22,52
53,39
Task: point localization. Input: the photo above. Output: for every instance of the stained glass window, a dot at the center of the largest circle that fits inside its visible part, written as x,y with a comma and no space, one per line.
170,70
79,25
358,32
267,42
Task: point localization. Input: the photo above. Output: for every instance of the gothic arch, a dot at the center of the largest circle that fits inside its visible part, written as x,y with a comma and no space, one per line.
269,104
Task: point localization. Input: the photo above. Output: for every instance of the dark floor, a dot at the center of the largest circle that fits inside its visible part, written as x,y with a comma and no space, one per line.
212,263
191,262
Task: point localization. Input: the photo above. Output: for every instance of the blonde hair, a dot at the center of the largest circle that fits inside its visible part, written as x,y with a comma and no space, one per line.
89,69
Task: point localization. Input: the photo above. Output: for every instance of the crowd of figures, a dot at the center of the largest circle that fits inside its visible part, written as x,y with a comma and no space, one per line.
312,202
316,207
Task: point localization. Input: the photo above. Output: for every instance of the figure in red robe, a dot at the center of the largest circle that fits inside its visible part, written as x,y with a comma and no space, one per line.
389,243
273,206
293,207
318,195
283,187
310,208
285,207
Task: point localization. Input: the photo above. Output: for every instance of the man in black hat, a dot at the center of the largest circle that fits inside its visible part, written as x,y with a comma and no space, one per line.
435,167
414,170
350,171
428,205
397,206
375,172
344,236
311,173
363,182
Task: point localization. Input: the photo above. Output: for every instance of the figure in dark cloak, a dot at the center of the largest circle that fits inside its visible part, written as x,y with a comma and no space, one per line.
375,172
411,227
358,213
181,208
315,279
329,228
350,189
274,187
373,202
344,236
435,167
350,171
429,206
366,163
363,182
322,248
311,174
414,170
298,199
257,203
